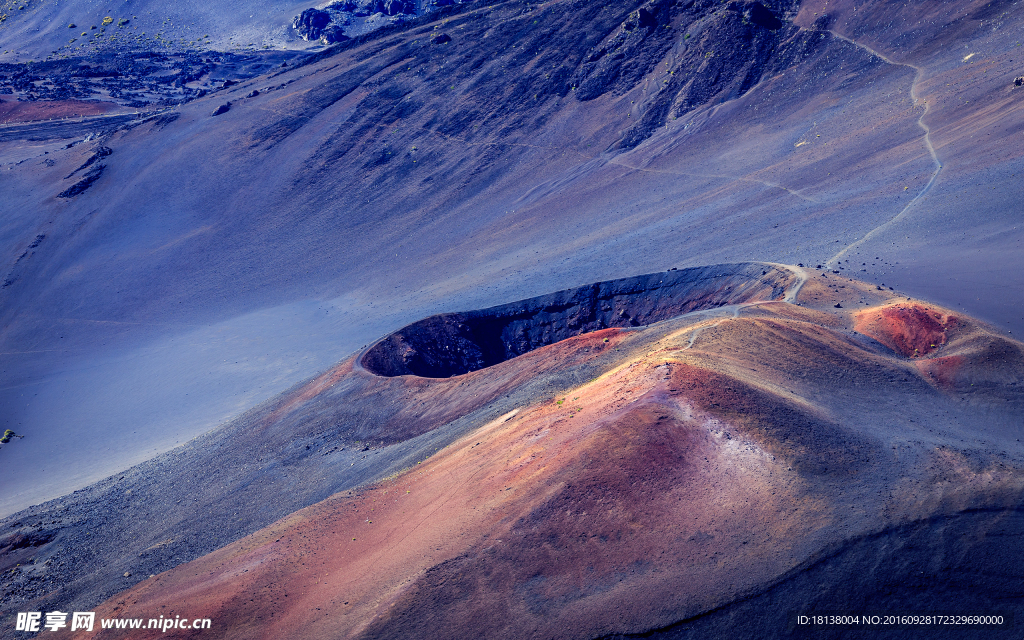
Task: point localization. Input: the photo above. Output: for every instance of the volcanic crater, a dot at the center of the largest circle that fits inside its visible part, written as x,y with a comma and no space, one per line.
607,481
451,344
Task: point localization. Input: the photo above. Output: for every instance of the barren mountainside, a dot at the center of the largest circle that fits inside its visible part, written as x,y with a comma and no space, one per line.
329,317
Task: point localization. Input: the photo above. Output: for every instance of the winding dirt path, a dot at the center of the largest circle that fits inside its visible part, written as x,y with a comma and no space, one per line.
790,298
918,75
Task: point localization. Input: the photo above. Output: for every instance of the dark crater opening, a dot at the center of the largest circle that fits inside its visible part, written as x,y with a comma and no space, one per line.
451,344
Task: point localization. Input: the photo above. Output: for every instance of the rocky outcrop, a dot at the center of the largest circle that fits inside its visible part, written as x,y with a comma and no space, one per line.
723,51
329,25
82,185
333,34
311,23
369,7
630,53
101,152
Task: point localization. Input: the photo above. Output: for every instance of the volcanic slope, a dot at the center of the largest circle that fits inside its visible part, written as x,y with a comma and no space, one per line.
342,428
848,449
542,146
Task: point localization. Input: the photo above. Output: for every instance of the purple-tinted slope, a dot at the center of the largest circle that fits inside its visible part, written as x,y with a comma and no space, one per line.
401,178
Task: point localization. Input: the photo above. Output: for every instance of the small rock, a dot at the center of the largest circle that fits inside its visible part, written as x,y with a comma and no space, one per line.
440,38
253,93
1018,82
838,306
224,108
127,574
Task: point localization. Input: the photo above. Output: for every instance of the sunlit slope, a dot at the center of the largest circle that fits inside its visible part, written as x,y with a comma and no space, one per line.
332,432
730,463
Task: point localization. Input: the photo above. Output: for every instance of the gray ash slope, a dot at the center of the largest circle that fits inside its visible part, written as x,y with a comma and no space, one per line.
333,433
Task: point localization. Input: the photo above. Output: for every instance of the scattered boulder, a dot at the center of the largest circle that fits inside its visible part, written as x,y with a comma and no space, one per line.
224,108
1018,82
440,38
253,93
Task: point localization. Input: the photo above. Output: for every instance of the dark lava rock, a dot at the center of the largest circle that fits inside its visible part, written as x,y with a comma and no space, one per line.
311,23
83,184
1018,82
101,152
253,93
723,53
440,38
395,7
760,15
224,108
367,7
333,34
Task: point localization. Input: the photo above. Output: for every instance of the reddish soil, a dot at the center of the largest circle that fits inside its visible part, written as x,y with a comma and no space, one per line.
12,111
582,514
954,353
912,330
